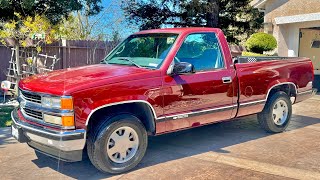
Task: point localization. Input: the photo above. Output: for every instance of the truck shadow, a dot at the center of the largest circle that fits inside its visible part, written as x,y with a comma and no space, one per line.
168,147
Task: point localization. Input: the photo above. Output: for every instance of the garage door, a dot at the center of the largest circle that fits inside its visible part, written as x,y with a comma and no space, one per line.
310,46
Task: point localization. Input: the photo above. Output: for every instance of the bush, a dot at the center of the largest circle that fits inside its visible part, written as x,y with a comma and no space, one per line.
260,42
245,53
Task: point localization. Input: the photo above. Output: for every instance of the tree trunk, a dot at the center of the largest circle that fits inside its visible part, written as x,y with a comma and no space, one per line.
212,15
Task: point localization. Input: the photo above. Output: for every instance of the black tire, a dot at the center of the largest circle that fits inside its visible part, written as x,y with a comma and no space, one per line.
98,137
265,118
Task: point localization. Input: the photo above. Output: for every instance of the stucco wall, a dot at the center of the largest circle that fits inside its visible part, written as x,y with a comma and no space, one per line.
287,35
278,8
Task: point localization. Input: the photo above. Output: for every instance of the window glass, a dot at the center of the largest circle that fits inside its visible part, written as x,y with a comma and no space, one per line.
315,44
202,50
145,50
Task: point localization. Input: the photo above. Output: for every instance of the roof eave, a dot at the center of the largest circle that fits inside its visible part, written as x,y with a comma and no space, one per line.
260,4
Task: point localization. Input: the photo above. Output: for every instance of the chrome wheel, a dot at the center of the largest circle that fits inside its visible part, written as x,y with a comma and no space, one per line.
280,112
123,144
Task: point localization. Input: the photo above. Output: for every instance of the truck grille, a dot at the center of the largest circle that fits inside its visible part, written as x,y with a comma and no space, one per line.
32,113
31,97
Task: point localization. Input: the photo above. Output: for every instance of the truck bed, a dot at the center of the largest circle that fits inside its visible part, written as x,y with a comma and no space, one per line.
257,75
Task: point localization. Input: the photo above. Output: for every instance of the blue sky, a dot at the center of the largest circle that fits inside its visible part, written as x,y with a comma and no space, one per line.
112,18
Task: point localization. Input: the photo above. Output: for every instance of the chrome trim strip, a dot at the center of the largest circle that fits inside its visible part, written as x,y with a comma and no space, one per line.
161,118
122,102
305,92
252,102
279,85
197,112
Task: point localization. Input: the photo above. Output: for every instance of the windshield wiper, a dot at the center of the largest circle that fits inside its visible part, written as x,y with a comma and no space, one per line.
103,61
132,62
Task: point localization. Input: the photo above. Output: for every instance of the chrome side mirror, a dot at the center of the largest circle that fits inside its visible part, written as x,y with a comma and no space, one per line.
183,68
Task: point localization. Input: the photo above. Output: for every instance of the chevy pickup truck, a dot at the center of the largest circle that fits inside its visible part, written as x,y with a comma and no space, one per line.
154,82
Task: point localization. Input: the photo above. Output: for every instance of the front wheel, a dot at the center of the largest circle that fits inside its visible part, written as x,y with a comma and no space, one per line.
118,144
276,114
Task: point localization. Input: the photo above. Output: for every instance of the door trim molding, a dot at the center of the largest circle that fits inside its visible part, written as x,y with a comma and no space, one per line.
197,113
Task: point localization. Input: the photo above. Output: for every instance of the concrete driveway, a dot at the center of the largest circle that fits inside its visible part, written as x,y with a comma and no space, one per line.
229,150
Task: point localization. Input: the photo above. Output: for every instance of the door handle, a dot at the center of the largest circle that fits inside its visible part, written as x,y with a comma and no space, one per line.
226,80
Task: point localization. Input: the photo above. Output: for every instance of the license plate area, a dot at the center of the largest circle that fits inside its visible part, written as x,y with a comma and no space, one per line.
15,132
18,134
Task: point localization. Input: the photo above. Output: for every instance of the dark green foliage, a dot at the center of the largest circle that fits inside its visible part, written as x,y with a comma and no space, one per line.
5,116
233,17
54,10
260,42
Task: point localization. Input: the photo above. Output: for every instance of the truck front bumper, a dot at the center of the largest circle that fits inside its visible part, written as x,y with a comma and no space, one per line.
63,145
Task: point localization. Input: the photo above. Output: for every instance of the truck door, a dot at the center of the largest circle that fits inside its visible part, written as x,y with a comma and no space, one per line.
205,96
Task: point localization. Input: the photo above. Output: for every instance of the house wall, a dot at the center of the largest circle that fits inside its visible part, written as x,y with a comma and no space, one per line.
279,8
287,35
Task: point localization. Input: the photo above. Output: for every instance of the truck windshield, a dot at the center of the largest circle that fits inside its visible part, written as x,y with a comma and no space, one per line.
143,50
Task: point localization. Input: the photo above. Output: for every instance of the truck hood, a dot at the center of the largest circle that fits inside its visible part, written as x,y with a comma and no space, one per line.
66,81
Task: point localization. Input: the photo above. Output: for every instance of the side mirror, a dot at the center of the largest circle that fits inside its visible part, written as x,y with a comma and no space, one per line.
183,68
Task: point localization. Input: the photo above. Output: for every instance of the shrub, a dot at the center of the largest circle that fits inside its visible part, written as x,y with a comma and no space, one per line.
245,53
260,42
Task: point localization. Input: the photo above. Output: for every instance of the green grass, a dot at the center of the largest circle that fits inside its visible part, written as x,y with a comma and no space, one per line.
5,116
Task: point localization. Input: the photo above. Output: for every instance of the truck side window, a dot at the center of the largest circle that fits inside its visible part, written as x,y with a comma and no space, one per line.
202,50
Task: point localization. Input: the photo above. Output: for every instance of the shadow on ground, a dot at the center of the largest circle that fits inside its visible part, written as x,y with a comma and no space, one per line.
5,137
181,144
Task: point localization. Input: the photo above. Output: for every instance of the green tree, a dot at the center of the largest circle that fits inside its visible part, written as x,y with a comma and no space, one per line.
53,10
237,19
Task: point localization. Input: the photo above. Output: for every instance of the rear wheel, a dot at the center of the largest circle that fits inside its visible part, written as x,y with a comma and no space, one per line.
276,114
117,144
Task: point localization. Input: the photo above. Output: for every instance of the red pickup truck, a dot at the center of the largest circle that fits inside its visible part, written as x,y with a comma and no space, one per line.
154,82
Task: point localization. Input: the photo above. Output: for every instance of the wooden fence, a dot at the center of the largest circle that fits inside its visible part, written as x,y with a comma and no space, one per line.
74,53
71,53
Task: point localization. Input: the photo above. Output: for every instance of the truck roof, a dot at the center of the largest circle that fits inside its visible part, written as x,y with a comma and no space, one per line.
181,30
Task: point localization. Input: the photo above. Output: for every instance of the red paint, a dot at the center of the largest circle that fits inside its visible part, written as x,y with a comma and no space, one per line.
97,85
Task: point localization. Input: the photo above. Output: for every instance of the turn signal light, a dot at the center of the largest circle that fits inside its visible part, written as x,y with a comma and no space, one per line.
67,121
66,103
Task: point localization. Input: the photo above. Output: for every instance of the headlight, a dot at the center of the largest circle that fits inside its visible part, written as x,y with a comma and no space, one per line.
57,102
65,121
51,102
52,119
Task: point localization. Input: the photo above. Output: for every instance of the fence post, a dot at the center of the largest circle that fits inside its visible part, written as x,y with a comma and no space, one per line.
64,53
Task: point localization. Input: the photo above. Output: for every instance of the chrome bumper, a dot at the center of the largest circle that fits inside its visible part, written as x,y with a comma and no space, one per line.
59,144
